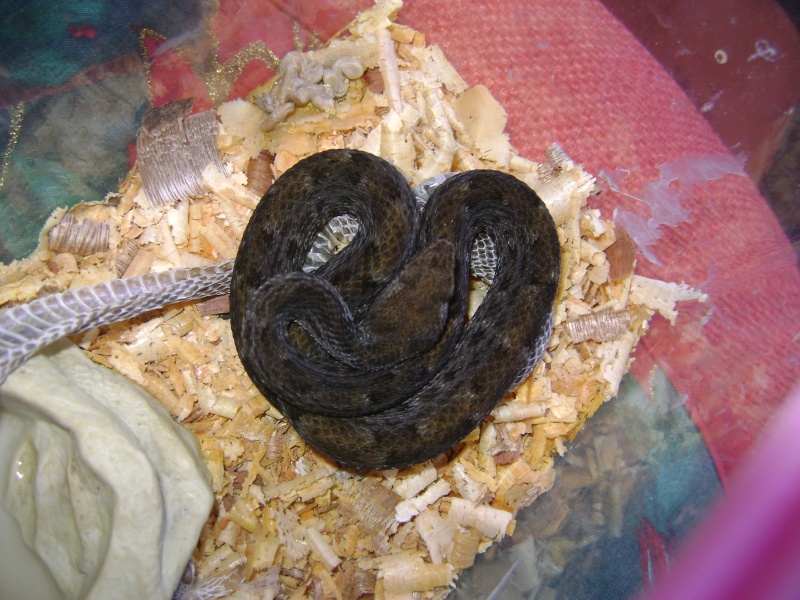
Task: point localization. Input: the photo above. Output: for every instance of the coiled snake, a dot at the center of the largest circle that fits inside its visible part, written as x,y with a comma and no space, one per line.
371,358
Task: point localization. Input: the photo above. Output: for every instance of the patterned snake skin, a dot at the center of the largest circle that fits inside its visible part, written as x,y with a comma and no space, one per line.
26,328
371,357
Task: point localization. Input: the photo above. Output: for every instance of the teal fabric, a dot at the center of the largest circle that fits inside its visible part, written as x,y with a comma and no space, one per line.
72,71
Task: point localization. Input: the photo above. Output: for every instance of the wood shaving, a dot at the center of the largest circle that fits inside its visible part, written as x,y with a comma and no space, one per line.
125,254
173,150
602,326
621,256
661,296
259,173
286,521
78,236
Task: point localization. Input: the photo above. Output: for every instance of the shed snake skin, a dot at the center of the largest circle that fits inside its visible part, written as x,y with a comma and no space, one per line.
27,328
371,358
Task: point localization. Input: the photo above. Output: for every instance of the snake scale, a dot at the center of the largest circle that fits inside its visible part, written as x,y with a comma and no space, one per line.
371,358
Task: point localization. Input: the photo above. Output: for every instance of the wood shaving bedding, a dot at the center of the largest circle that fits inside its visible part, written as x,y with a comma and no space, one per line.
287,522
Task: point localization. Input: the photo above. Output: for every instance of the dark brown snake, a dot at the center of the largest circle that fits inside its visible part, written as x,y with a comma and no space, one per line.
371,358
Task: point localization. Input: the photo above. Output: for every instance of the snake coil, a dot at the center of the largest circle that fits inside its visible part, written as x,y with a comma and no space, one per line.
371,357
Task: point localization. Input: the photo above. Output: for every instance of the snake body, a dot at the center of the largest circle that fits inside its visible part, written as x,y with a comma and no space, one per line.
371,358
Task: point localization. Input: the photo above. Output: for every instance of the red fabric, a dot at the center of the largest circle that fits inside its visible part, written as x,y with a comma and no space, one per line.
570,72
739,60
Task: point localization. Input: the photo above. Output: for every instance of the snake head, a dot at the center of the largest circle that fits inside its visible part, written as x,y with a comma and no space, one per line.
408,316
